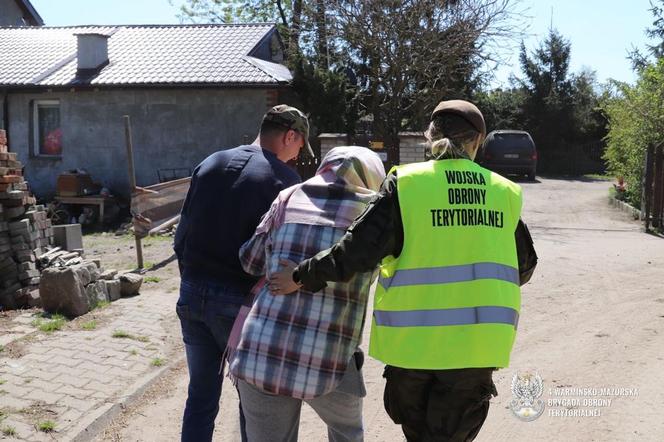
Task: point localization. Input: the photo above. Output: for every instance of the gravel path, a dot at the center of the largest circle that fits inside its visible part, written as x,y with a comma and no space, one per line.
592,317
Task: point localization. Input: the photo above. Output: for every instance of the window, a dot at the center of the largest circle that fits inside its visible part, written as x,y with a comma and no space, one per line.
47,134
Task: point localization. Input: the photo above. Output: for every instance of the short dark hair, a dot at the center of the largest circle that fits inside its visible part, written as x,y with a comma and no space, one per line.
270,129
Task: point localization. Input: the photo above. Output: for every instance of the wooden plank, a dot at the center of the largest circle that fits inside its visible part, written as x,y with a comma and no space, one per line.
647,187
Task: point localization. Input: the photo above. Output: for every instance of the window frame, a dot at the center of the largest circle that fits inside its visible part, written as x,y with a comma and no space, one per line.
36,147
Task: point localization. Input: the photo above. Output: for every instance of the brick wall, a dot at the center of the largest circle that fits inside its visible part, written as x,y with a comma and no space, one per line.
411,147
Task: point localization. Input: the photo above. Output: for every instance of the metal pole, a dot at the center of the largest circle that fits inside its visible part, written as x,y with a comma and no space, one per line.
132,183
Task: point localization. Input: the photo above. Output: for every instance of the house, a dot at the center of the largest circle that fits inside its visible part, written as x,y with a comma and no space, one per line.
19,13
188,89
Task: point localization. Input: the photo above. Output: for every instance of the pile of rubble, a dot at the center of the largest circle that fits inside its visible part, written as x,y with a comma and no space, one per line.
25,231
33,273
75,289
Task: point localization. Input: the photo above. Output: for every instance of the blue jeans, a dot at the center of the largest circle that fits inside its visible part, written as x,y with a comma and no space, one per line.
206,313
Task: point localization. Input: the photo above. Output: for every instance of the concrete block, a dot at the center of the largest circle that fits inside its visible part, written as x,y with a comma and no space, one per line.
83,274
93,268
114,289
14,212
61,291
25,266
34,299
96,292
68,236
25,256
28,274
130,284
108,274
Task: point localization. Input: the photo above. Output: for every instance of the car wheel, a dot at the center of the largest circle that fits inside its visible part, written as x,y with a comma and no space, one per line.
531,175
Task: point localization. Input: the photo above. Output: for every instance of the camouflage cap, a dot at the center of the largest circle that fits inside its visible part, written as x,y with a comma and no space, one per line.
291,118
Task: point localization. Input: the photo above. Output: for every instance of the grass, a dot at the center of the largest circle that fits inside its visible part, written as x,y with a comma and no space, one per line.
50,323
46,426
157,362
121,334
8,430
148,265
2,381
102,304
152,279
90,325
134,352
2,348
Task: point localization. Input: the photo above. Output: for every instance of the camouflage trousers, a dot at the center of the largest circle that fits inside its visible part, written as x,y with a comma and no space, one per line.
438,405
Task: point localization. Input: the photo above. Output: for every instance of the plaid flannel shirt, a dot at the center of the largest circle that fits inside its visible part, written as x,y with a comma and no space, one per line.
300,344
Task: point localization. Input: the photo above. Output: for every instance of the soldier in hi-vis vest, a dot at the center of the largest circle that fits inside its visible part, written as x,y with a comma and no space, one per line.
453,254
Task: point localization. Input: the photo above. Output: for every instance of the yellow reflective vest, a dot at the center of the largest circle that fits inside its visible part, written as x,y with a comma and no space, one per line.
451,299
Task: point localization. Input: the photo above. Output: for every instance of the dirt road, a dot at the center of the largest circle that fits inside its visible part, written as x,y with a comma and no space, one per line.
592,318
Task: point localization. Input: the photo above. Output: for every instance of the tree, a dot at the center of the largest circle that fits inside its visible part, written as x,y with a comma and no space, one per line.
408,55
636,120
502,109
548,104
656,32
387,59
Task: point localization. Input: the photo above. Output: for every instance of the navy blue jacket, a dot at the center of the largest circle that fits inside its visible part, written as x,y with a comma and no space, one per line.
230,191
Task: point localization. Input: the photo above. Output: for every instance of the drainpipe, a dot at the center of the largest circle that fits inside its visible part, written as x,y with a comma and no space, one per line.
5,115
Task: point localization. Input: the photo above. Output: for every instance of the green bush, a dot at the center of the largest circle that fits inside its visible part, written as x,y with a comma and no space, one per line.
636,120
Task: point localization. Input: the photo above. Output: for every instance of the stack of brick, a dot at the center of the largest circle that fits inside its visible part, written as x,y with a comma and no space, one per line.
25,231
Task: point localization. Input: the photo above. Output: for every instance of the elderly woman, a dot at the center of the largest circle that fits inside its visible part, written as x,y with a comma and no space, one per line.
304,347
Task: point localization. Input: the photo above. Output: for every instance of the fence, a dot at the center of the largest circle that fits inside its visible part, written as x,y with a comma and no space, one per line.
652,199
569,159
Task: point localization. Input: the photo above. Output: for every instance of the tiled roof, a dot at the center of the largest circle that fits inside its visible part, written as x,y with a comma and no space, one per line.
141,55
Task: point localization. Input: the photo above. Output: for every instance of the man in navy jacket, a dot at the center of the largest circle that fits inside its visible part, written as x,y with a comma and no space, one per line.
230,191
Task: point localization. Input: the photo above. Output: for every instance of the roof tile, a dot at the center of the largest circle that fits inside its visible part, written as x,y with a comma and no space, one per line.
172,54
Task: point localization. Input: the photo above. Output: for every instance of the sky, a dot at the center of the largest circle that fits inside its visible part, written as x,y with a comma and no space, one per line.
601,31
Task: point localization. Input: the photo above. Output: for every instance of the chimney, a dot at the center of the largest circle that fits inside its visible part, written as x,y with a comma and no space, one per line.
91,52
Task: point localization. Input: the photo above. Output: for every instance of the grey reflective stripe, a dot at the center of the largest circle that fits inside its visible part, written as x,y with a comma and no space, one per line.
448,316
448,274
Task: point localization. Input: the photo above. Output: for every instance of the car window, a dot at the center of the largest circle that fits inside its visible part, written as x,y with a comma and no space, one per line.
509,141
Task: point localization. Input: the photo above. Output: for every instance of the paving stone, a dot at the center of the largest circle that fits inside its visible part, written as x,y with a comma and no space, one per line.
45,396
72,391
16,390
77,404
44,375
14,403
62,360
23,430
40,384
106,389
71,380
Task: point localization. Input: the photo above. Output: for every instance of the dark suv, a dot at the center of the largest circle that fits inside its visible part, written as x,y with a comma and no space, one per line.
509,152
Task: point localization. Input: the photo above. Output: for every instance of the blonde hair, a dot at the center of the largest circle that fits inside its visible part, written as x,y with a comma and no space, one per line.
449,135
